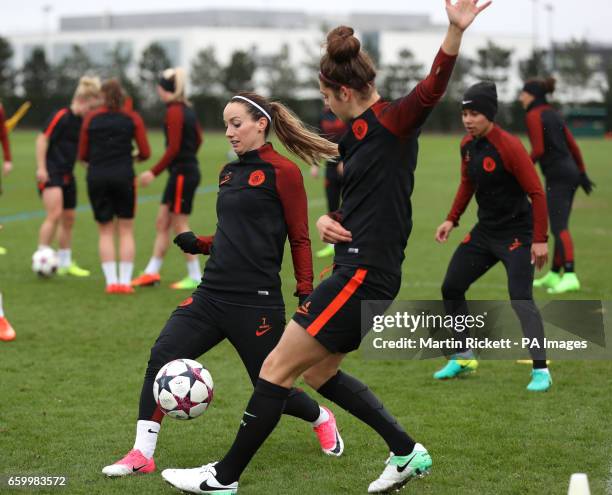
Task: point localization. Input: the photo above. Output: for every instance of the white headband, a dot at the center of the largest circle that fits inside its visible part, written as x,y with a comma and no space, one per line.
258,107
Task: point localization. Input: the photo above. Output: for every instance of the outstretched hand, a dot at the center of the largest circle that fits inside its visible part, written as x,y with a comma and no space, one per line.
463,12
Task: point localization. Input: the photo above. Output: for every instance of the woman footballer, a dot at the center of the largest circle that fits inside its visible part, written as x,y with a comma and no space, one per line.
496,168
106,145
7,333
553,145
261,203
370,232
56,153
183,138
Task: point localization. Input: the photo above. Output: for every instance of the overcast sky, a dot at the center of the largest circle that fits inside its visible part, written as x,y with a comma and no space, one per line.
589,19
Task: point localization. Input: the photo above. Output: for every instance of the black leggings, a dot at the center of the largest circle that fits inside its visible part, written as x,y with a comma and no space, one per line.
560,196
473,258
197,327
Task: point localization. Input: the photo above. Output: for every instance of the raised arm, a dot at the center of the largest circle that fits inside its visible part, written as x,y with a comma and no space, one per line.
460,15
406,114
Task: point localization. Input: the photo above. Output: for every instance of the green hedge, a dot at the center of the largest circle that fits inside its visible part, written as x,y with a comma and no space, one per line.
445,118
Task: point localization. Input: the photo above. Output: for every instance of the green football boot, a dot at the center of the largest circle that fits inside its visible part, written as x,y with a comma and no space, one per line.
325,252
456,367
547,281
540,381
401,469
74,270
568,283
185,283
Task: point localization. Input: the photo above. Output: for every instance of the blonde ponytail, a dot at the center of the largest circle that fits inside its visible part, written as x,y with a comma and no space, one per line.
88,87
177,75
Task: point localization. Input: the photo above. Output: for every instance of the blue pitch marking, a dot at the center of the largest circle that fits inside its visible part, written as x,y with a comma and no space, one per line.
29,215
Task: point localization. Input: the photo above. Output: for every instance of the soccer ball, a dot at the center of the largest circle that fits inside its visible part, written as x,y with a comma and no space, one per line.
44,262
183,389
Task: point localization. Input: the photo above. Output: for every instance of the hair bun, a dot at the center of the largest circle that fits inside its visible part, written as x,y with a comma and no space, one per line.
342,46
549,84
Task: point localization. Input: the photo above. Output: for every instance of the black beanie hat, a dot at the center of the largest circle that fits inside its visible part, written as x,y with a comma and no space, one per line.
535,88
481,97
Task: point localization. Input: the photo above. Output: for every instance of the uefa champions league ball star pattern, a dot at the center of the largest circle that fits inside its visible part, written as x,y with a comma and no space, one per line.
183,389
45,262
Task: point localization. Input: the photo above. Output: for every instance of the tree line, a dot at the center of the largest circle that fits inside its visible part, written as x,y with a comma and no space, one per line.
49,86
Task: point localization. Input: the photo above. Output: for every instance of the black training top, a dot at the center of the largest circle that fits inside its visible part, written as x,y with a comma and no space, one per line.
183,138
261,203
62,132
552,143
106,141
498,170
379,152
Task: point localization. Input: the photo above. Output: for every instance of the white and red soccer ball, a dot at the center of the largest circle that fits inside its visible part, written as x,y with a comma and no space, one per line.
45,262
183,389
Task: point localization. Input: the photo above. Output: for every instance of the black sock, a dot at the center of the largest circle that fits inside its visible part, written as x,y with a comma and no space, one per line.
568,267
259,420
532,326
355,397
301,405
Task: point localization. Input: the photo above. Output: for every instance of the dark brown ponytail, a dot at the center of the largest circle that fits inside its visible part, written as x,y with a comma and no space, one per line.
345,63
549,85
113,94
540,87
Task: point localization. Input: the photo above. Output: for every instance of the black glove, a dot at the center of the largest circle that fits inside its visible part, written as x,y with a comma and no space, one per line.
302,299
188,242
586,183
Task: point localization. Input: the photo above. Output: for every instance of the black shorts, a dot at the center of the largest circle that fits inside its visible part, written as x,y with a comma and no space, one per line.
68,185
180,190
112,196
201,322
332,313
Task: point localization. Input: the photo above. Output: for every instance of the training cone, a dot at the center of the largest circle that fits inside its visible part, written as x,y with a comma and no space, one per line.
579,485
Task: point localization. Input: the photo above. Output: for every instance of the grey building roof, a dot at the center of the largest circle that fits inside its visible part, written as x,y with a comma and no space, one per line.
285,19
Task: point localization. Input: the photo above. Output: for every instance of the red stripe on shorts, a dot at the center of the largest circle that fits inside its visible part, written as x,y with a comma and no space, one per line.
178,193
340,300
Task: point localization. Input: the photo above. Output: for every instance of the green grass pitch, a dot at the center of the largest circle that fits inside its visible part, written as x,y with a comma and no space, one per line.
69,384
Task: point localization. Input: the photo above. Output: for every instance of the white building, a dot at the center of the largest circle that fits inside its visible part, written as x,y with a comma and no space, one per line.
183,34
